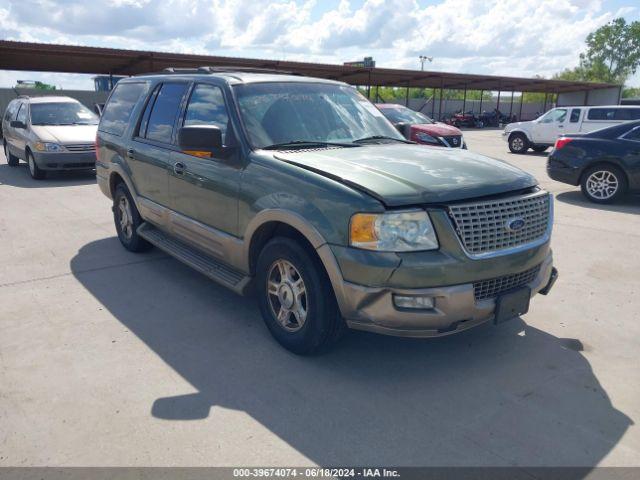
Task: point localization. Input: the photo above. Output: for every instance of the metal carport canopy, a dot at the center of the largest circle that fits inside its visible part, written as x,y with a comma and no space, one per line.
75,59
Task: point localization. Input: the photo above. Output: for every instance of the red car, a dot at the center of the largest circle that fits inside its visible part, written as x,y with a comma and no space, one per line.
421,129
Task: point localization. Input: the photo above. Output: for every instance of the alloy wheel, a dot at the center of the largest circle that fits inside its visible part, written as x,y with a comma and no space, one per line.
517,144
287,295
602,184
126,217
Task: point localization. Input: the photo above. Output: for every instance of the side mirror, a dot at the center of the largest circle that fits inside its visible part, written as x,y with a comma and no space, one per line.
200,140
17,124
404,129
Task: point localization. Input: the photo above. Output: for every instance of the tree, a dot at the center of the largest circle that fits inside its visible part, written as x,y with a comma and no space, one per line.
631,92
613,54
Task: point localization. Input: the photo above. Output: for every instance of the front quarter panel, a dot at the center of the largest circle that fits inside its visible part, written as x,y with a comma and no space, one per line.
273,190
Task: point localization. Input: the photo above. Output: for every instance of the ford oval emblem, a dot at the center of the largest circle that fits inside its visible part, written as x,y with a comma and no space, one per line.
515,224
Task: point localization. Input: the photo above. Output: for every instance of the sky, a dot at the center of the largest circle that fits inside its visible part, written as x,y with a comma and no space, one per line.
503,37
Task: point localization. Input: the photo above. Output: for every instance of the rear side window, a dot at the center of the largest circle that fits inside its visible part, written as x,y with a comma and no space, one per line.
118,109
207,107
628,114
164,112
633,135
575,115
602,113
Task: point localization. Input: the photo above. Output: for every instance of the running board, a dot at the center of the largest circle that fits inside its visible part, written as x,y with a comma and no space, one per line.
203,263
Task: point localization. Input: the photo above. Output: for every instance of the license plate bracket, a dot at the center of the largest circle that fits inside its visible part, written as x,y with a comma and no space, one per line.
512,304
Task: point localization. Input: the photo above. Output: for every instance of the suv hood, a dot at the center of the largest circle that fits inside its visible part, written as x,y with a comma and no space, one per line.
66,133
518,126
411,174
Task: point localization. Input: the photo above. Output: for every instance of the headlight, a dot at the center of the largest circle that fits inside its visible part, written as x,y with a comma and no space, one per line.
426,138
393,232
49,147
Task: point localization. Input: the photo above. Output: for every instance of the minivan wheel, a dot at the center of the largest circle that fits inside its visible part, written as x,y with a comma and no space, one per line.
127,220
35,171
518,143
604,184
296,298
12,160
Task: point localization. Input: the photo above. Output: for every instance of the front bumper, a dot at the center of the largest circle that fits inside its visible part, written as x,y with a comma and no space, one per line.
456,309
65,160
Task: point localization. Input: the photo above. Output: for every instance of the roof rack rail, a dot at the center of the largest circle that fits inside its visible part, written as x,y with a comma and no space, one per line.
225,69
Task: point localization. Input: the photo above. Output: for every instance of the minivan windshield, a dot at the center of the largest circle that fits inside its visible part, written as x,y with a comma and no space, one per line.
62,113
401,114
297,113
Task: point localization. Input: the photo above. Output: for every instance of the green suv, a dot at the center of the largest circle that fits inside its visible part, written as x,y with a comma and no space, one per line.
300,191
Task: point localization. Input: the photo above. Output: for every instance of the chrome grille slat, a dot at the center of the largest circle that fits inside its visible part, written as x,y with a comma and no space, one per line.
482,226
493,287
81,147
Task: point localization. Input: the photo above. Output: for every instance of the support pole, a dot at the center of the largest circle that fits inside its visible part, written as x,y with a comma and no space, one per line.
544,107
433,103
511,106
377,94
498,104
406,101
481,97
441,92
464,99
521,100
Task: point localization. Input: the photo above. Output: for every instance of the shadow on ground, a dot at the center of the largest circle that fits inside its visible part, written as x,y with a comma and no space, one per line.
628,204
507,395
19,177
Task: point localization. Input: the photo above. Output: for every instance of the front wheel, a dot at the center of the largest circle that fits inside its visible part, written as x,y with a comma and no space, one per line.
518,143
603,184
296,298
12,160
36,172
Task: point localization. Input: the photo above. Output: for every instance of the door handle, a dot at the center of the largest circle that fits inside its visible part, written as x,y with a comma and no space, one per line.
130,152
178,168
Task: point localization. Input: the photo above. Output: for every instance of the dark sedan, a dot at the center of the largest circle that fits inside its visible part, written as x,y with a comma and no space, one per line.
605,163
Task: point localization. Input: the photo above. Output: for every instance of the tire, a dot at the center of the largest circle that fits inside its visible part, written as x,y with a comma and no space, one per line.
12,160
127,220
35,171
321,325
518,143
603,184
539,148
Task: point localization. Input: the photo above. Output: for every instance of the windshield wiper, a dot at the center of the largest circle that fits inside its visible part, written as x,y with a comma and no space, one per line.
373,138
306,143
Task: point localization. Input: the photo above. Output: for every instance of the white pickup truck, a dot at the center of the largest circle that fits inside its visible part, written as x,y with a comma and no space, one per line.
541,133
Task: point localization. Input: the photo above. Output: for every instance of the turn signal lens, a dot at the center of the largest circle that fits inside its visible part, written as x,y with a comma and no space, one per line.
561,142
363,228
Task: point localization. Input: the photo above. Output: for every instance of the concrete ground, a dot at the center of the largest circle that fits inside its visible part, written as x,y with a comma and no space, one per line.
115,359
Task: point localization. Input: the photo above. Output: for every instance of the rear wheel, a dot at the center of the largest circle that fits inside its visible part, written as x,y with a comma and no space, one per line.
539,148
604,184
296,298
127,220
12,160
35,171
518,143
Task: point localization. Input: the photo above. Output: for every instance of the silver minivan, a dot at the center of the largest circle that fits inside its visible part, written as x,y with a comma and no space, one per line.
49,133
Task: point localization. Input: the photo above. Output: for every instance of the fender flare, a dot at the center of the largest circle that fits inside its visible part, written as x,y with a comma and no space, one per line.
520,130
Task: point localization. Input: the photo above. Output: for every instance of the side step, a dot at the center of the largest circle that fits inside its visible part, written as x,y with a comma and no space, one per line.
205,264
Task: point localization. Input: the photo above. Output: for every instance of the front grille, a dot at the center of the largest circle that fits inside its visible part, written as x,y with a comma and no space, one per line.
486,226
454,141
495,286
81,147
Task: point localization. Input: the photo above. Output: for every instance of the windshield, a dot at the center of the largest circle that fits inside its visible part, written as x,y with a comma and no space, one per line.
278,113
63,113
405,115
